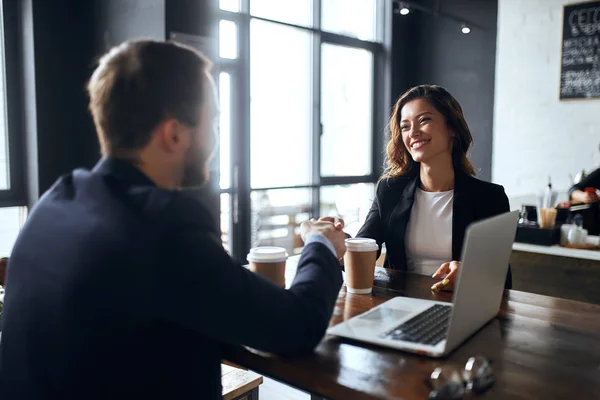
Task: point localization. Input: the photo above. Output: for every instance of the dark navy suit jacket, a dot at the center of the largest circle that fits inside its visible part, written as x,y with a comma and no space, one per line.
119,289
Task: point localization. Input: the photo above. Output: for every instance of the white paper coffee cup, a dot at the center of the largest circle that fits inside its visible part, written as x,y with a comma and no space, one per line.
359,262
269,261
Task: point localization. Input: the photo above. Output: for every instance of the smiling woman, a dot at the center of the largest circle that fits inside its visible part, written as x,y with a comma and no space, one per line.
427,110
428,196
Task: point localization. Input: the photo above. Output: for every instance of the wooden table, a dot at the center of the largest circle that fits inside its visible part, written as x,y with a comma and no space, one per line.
541,348
239,384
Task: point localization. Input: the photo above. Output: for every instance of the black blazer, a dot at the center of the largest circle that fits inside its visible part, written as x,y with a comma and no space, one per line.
118,289
389,215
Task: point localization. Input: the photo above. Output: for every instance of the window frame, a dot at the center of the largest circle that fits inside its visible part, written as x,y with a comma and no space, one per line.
240,190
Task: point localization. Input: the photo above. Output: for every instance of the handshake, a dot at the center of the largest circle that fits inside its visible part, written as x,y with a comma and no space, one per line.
331,228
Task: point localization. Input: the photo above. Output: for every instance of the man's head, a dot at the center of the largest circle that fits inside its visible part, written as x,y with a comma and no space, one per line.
153,104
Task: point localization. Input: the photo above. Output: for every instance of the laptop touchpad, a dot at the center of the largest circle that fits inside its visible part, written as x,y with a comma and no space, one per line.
385,315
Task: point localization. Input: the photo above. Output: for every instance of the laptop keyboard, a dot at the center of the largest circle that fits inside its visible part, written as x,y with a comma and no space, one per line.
429,327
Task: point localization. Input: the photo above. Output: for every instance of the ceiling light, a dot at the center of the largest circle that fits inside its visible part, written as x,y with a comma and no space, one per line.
465,29
403,9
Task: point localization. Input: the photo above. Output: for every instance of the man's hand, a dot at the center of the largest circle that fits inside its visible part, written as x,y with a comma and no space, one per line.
336,221
329,227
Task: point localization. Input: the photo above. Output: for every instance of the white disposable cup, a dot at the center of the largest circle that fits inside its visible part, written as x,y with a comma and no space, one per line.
269,261
359,263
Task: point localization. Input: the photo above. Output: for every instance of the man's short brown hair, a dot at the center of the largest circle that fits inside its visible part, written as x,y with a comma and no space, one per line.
137,85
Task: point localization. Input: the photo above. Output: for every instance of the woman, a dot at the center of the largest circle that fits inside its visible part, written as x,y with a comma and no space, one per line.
428,196
578,193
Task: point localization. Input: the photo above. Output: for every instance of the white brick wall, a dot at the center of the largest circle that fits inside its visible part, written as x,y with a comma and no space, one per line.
535,134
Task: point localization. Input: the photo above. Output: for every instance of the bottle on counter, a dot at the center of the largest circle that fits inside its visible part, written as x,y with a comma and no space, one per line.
577,236
549,195
546,206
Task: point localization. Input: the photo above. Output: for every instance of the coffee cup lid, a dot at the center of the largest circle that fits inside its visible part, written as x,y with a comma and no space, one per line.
361,244
267,254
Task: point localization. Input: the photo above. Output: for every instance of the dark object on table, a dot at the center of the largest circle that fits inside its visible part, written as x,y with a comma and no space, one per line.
563,216
533,234
449,383
530,211
591,216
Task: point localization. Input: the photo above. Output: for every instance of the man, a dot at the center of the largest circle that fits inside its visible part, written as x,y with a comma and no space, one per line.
118,286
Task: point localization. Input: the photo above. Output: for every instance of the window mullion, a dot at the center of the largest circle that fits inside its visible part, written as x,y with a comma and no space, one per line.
316,113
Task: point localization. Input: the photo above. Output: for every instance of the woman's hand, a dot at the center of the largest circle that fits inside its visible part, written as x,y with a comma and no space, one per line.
450,270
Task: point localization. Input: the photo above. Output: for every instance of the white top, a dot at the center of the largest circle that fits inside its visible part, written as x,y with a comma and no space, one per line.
429,233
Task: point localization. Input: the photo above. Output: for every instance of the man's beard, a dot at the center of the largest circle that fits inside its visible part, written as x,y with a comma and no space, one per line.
196,171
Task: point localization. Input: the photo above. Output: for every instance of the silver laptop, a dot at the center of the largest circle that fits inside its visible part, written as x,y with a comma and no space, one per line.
436,328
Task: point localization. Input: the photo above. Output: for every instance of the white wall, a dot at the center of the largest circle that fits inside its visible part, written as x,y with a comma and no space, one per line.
535,134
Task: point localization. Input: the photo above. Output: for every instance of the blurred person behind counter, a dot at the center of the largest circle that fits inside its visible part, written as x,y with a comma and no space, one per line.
586,191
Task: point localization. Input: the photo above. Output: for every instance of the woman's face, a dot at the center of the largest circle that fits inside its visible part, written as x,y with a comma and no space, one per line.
424,131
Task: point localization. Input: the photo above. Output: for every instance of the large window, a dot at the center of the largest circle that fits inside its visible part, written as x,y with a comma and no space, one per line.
280,105
5,181
12,193
346,111
302,84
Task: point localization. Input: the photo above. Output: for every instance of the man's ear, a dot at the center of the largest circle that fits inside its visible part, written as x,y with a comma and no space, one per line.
171,134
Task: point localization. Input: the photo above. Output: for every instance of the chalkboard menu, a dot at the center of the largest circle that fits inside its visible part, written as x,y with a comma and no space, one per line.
580,72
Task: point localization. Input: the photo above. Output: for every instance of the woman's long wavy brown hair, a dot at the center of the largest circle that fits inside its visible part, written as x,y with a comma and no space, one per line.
399,160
